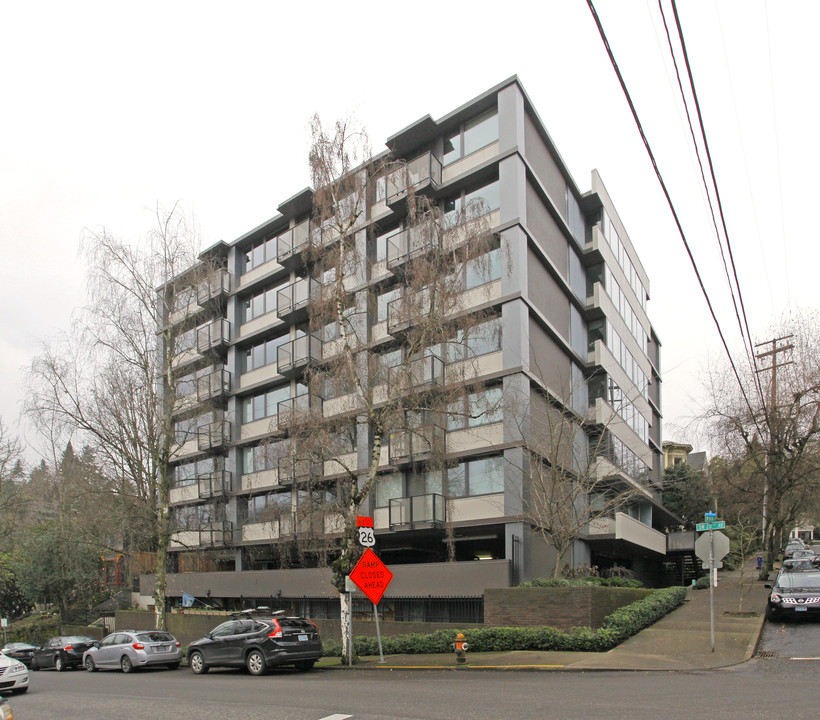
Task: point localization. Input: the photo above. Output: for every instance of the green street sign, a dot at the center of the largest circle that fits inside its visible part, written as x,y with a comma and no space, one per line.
716,525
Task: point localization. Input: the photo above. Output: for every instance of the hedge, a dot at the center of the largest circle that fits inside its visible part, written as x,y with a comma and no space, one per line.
582,582
617,627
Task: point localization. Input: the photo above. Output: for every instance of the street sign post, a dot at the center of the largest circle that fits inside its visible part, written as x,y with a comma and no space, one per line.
712,547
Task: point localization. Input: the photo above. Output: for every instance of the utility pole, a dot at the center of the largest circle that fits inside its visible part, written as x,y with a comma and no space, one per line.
774,433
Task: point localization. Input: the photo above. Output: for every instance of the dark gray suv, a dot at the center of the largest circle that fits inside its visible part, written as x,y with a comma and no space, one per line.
257,642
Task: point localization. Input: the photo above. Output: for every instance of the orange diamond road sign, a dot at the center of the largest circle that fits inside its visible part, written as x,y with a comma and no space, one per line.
371,576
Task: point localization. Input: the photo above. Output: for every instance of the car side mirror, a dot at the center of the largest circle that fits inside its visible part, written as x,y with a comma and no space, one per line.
209,636
96,644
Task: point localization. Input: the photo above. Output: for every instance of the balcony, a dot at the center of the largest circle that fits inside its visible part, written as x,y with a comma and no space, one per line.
297,408
296,355
298,470
420,511
418,443
411,243
421,174
292,302
213,288
214,484
214,436
424,373
624,528
290,244
214,385
216,534
213,337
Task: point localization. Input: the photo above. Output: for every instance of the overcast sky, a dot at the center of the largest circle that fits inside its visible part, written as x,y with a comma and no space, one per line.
110,108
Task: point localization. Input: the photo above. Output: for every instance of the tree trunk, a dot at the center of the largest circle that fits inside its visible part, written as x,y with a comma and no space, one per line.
346,611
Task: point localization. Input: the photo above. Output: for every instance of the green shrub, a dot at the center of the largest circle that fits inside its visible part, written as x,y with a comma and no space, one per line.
702,582
617,627
582,582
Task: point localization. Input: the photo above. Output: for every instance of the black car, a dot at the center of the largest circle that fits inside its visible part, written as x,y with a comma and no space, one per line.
62,652
796,591
257,642
19,651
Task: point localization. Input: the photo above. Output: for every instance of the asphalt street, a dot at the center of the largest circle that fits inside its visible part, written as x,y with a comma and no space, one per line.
761,688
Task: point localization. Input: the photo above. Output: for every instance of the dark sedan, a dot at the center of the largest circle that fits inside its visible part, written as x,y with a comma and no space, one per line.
796,591
19,651
62,652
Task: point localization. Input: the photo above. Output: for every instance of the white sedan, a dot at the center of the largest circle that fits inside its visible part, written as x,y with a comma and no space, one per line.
13,675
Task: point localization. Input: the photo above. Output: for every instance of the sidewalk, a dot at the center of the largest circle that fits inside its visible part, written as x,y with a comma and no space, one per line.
680,641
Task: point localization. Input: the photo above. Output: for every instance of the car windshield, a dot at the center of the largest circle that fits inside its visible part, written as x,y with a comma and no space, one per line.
790,579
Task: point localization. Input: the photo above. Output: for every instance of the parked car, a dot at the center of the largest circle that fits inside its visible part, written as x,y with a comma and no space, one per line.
128,650
257,642
19,651
61,652
792,546
13,675
796,591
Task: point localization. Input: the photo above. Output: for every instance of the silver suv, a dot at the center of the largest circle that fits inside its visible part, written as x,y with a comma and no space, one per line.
132,649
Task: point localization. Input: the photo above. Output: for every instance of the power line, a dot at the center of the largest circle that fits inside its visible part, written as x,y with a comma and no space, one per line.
669,202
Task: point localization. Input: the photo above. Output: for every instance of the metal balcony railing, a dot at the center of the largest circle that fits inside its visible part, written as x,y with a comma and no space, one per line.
298,470
215,435
411,243
214,484
293,356
419,442
425,372
216,534
421,173
292,302
297,408
214,336
214,287
214,385
290,244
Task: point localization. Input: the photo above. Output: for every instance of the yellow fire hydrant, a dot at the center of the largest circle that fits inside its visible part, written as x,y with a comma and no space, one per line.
461,649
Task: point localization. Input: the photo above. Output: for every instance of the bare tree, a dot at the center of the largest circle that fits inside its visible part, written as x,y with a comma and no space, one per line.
572,481
775,431
393,357
11,476
117,379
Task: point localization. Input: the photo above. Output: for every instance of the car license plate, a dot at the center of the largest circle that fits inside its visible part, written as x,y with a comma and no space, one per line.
303,638
800,608
160,648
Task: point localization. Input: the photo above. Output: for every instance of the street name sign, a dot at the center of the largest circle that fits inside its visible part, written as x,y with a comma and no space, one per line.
371,576
715,525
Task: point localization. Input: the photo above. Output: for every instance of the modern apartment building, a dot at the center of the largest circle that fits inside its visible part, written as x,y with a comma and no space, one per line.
564,322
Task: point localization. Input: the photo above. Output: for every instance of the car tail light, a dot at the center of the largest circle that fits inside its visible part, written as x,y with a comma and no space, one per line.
277,629
178,644
67,648
138,646
314,624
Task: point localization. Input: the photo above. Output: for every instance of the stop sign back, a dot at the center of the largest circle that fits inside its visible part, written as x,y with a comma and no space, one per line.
371,576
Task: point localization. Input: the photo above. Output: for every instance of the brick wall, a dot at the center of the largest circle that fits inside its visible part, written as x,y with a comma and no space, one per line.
562,607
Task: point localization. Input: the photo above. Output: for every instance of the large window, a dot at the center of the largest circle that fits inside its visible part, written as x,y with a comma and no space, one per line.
387,487
482,269
187,473
262,354
265,508
473,135
475,409
261,303
472,204
266,404
483,476
260,252
480,340
259,458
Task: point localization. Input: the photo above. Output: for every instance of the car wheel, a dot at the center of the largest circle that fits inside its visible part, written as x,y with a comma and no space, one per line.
59,664
173,666
197,663
89,664
19,691
772,614
125,664
34,665
255,662
304,665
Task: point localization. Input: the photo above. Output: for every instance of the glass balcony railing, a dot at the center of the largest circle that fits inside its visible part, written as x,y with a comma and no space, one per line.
406,513
214,435
297,354
426,371
418,442
294,299
411,243
296,408
213,385
291,243
216,534
217,285
213,336
298,470
214,484
424,171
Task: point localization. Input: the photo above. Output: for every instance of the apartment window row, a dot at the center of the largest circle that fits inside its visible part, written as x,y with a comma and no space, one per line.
476,409
266,404
187,473
262,303
259,253
619,250
482,476
188,428
604,387
624,458
603,275
196,517
470,137
603,330
264,353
